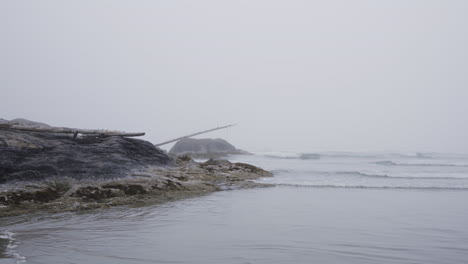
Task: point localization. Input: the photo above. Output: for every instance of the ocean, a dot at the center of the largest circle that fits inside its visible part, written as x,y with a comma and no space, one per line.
331,207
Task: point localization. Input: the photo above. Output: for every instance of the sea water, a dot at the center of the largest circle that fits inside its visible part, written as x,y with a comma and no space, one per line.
326,208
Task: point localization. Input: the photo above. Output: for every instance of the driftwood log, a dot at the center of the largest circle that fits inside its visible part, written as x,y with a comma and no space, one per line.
192,135
75,132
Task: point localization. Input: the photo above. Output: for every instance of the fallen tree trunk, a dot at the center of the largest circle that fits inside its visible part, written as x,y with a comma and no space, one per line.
75,132
192,135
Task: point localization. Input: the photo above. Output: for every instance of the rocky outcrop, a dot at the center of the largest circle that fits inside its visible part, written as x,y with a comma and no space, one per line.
204,148
34,156
152,185
58,172
24,123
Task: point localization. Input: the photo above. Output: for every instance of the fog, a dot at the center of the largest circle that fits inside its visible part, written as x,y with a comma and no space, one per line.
294,75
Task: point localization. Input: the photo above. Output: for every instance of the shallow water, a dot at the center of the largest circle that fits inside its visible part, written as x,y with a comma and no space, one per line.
349,221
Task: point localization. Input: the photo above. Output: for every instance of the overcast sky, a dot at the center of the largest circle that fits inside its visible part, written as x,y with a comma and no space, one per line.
294,75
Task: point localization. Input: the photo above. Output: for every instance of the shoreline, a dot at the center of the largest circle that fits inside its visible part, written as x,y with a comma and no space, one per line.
152,185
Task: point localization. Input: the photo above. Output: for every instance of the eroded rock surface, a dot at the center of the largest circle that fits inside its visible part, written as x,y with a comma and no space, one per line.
154,184
56,172
35,156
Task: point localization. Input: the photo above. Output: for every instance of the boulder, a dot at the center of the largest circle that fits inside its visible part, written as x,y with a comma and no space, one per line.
204,148
24,123
33,156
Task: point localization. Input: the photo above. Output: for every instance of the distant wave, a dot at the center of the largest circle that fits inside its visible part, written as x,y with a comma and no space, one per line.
357,173
308,156
391,163
303,156
314,155
281,171
369,175
372,187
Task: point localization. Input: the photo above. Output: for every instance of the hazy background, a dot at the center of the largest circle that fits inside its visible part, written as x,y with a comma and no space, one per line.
295,75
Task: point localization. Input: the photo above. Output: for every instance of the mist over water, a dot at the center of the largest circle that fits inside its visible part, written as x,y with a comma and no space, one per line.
326,208
367,170
380,80
299,75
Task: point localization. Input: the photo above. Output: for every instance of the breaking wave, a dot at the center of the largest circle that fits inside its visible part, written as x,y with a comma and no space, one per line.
362,174
367,175
8,245
372,187
354,155
391,163
287,155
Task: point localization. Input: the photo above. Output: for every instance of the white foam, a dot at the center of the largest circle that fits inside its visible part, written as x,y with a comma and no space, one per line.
12,245
277,154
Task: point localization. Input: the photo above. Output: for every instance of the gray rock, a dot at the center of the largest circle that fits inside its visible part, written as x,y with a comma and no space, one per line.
26,123
204,148
34,156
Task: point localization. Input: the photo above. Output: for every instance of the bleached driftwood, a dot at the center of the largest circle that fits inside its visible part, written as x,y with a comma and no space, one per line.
192,135
75,132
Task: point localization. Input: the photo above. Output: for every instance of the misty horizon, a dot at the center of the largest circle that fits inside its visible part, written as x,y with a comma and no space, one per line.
350,144
295,76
